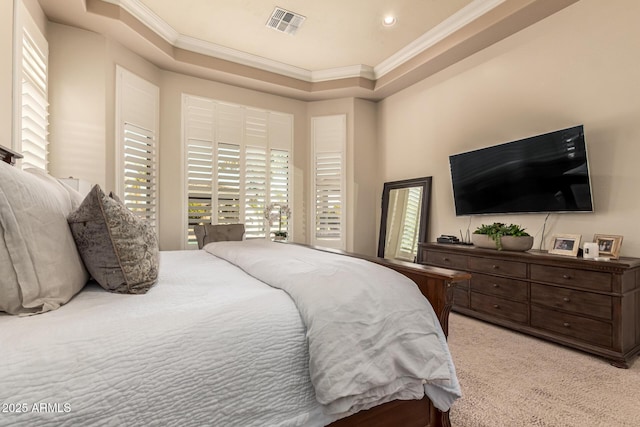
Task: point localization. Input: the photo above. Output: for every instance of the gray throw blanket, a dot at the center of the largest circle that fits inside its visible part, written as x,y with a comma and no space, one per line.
372,335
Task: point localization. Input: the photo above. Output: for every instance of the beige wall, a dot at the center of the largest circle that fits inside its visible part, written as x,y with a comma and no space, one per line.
82,68
367,180
578,66
77,87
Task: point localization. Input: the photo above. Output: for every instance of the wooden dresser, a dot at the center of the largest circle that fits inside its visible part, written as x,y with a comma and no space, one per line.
589,305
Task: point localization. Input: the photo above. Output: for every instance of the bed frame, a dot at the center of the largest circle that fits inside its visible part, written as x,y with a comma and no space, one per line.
436,285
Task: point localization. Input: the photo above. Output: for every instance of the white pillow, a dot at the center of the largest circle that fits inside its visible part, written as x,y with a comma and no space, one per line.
41,267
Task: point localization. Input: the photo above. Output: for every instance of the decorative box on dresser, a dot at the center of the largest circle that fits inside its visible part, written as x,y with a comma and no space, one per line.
590,305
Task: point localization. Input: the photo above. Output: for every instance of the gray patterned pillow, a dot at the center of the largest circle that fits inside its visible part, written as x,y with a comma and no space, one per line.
119,249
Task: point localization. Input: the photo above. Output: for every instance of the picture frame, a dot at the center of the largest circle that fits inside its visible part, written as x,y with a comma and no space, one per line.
608,244
565,244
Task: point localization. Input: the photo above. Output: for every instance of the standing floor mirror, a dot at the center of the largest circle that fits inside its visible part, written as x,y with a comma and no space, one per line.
404,219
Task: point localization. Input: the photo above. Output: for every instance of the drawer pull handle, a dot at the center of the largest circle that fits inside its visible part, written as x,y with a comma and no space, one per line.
566,325
495,267
495,285
565,299
496,306
566,276
445,259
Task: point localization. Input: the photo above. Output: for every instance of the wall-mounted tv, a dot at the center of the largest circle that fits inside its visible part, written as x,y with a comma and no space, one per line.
543,173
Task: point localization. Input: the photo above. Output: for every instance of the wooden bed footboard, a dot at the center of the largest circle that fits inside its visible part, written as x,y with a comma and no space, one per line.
436,285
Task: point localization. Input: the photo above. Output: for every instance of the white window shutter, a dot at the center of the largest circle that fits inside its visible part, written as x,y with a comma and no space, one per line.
279,185
229,183
256,169
329,152
280,188
31,100
199,161
139,185
255,191
137,118
411,224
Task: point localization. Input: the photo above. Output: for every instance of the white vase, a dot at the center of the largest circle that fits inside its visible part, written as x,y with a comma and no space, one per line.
509,243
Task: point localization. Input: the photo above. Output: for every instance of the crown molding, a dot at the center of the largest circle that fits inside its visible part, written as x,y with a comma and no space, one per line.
233,55
148,18
464,16
343,73
458,20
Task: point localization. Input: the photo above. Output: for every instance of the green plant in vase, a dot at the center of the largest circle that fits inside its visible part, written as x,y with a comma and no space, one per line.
498,230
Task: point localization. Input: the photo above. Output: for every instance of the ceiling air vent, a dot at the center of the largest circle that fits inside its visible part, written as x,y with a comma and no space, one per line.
284,21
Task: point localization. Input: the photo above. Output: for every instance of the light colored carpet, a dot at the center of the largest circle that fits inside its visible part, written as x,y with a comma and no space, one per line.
511,379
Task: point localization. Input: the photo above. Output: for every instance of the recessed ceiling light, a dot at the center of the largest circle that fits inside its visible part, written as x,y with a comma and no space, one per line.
389,20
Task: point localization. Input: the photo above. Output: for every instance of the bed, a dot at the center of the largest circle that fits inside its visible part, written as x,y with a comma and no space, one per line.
237,334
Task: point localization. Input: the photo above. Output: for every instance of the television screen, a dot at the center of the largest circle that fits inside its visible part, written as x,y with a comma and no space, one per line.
544,173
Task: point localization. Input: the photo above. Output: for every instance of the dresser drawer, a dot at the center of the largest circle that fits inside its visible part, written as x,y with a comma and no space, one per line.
498,266
585,279
499,307
588,330
463,284
576,301
460,298
443,259
499,286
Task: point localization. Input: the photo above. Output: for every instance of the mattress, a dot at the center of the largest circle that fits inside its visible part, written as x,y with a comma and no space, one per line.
207,345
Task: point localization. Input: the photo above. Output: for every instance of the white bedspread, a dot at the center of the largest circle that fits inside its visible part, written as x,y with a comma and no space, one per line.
208,345
372,336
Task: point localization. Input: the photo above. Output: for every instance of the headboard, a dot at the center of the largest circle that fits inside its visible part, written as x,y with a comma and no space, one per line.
9,156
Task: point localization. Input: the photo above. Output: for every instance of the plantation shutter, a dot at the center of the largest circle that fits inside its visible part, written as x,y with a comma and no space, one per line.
32,119
199,153
256,169
137,118
228,183
140,171
237,162
329,149
229,140
411,226
280,128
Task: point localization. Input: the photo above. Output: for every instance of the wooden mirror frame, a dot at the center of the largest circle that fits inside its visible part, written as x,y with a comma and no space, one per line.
425,183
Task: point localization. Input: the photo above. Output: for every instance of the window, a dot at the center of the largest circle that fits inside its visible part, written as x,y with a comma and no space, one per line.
137,117
31,99
237,162
410,224
329,145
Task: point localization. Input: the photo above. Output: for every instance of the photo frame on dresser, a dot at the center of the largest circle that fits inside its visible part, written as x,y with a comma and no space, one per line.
608,244
565,244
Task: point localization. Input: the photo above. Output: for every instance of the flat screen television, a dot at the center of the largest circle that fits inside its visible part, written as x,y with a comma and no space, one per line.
540,174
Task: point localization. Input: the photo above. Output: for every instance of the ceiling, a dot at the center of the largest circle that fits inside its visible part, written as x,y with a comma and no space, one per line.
341,49
335,33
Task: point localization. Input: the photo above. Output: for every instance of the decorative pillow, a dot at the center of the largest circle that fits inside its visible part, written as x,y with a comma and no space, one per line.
119,249
207,233
40,265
